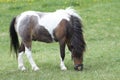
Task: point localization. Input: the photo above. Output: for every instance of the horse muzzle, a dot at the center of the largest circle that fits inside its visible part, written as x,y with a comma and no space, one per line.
78,67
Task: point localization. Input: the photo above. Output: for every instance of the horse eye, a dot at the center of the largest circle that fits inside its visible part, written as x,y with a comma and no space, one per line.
71,46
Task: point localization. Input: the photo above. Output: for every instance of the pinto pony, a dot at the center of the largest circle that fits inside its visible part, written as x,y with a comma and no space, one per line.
63,26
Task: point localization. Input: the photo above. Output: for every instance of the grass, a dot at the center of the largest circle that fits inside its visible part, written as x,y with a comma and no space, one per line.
101,31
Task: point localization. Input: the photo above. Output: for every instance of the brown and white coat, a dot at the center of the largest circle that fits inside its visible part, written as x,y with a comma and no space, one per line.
63,25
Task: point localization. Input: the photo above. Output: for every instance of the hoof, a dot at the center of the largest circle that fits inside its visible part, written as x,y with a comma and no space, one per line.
35,68
22,68
63,68
78,67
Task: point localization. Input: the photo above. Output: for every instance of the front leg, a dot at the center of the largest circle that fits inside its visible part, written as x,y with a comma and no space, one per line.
62,55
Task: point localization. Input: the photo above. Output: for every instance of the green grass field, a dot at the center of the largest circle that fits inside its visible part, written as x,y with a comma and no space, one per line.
102,34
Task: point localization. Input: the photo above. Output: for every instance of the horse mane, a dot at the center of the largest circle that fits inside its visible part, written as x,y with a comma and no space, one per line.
73,12
77,40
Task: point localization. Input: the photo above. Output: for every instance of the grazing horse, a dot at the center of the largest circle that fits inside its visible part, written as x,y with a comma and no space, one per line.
63,26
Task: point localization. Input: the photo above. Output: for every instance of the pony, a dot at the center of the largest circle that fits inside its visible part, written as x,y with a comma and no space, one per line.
63,26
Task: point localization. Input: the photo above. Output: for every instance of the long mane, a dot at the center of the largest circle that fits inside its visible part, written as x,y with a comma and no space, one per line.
77,40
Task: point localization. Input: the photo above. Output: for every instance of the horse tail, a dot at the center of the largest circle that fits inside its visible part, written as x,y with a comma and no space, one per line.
14,44
77,40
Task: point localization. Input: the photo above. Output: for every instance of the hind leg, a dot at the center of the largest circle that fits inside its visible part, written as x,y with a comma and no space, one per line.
29,56
20,59
27,49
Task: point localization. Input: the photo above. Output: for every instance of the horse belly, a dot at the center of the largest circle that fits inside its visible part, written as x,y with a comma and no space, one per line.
43,38
41,34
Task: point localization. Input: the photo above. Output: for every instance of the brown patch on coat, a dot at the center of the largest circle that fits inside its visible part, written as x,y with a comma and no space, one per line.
60,30
41,34
21,48
25,30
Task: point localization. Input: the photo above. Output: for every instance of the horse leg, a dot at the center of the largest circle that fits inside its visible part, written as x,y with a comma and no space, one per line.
62,54
29,56
69,45
20,59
